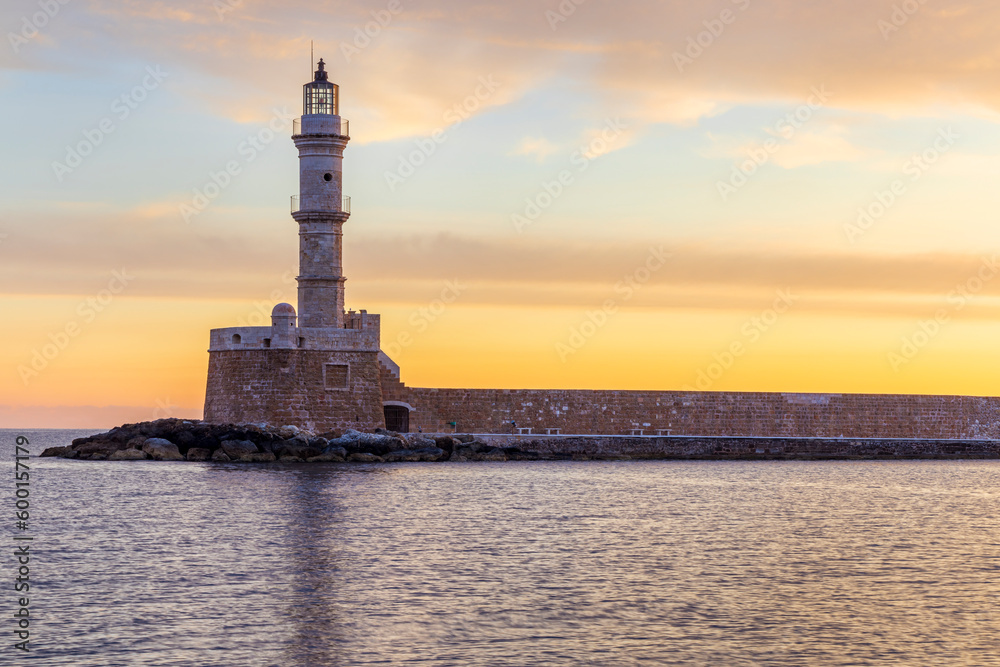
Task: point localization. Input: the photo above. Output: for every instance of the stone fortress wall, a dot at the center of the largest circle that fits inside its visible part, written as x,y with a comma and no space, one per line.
654,413
319,379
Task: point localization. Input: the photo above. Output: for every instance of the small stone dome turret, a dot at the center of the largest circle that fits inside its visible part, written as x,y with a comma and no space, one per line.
283,326
283,310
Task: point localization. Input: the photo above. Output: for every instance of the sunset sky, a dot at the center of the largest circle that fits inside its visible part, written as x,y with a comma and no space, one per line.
621,194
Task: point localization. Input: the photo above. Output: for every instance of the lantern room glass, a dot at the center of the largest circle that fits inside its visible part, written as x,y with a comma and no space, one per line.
320,97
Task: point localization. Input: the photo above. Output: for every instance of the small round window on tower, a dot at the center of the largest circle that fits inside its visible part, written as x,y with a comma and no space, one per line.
328,177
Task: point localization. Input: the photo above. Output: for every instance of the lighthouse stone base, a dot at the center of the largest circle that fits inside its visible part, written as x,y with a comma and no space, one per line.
319,379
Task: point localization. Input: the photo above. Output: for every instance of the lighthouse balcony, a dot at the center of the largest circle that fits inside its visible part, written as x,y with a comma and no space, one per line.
325,124
298,205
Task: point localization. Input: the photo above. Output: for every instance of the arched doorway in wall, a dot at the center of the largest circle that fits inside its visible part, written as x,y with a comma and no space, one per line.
397,416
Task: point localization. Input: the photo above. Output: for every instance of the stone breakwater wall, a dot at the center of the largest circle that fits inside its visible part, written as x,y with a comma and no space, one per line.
722,447
177,440
697,413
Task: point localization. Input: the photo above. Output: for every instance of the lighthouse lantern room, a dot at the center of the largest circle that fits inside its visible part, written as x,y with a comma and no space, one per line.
319,96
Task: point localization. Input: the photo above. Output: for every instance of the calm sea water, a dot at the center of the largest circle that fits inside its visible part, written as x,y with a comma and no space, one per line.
568,563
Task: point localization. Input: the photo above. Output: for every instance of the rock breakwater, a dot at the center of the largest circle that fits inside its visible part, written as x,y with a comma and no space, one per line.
180,440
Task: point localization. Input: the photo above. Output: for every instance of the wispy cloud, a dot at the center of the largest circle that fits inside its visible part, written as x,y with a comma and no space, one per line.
631,44
538,148
830,144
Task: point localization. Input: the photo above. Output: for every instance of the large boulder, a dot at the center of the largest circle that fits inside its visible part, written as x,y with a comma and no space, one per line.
128,455
330,457
238,433
102,447
279,447
356,442
259,434
198,454
168,429
334,450
318,442
56,451
471,450
120,434
206,441
184,440
257,457
362,457
468,451
350,436
411,455
137,442
419,441
403,455
220,456
162,450
237,449
299,447
432,454
305,452
446,442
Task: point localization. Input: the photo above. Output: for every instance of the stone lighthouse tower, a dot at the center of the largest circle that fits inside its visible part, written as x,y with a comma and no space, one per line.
318,369
320,207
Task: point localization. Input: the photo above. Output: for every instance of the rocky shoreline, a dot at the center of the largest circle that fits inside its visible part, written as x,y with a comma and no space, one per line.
184,440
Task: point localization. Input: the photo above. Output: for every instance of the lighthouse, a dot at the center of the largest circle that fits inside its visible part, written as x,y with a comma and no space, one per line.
320,368
320,208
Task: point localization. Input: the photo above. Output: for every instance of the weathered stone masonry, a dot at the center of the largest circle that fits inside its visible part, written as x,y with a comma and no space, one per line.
288,387
696,413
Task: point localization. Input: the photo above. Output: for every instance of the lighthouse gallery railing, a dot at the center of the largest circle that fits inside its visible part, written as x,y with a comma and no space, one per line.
345,127
345,204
